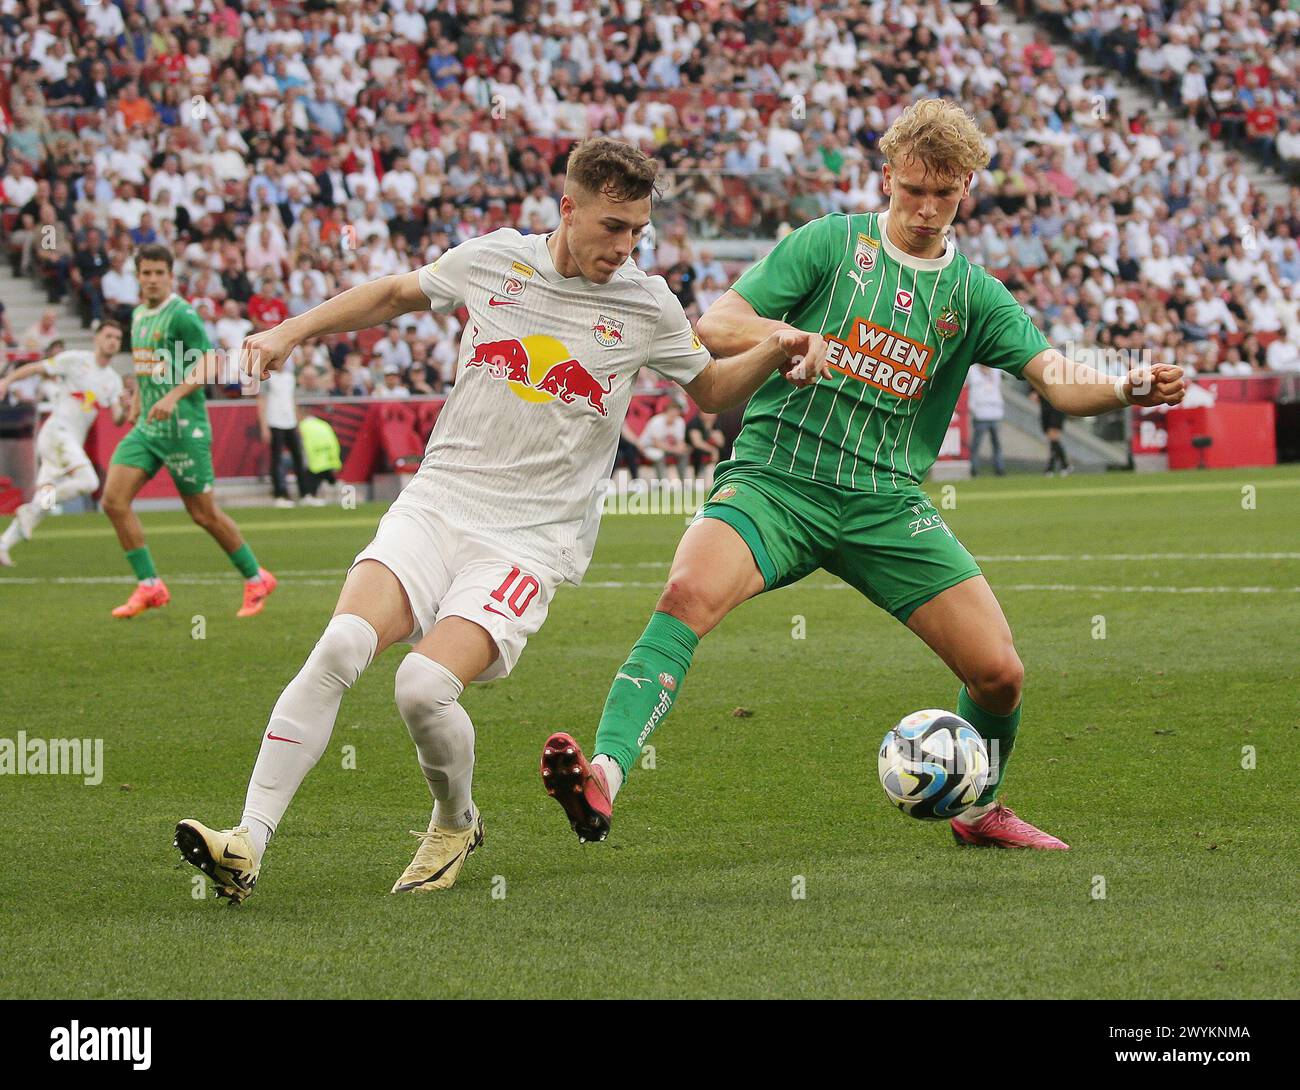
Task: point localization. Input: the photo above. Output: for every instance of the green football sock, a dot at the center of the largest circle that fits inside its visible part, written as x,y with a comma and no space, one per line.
645,688
245,561
999,734
141,563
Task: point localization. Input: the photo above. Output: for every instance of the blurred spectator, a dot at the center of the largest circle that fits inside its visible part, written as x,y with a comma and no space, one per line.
392,385
38,336
708,445
985,403
663,442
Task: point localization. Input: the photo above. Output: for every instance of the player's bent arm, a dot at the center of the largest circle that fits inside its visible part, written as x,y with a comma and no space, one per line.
1079,390
726,383
360,307
25,371
730,326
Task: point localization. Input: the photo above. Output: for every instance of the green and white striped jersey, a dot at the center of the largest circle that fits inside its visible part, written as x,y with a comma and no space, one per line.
902,333
167,341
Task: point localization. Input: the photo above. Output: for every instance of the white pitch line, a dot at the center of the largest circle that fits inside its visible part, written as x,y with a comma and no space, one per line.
128,580
1074,588
1070,588
1028,558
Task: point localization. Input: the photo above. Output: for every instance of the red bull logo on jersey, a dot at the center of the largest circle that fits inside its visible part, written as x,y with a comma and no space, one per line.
538,368
608,332
881,358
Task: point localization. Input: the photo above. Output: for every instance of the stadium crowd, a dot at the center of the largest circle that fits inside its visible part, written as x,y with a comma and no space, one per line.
286,151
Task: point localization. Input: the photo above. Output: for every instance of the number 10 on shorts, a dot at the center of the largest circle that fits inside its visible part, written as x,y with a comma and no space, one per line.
517,591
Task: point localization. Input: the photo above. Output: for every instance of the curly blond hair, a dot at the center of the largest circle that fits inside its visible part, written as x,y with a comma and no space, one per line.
939,134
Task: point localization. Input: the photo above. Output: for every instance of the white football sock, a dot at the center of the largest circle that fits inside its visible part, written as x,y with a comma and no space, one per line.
259,835
12,534
443,734
303,718
613,773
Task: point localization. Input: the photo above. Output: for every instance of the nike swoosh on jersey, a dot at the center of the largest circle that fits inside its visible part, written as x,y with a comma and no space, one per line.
495,302
628,677
277,738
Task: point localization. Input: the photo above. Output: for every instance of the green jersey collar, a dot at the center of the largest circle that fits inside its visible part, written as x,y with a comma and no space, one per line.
148,312
920,264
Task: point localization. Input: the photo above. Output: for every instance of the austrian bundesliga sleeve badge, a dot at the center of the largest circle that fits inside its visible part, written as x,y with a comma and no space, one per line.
947,323
864,256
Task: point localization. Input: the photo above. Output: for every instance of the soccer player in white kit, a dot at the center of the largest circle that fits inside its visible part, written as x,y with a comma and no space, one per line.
85,381
505,505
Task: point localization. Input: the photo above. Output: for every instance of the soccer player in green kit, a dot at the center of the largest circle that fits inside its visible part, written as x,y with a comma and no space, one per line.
827,474
172,357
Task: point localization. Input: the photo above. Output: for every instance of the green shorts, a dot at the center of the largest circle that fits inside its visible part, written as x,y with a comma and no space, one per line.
894,547
187,458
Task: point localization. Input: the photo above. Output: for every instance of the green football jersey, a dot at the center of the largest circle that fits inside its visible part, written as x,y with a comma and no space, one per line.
167,341
902,332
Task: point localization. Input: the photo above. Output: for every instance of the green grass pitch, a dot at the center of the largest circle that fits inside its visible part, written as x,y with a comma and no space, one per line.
1132,750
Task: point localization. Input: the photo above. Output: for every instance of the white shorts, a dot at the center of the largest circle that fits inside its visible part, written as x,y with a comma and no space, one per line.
448,571
60,454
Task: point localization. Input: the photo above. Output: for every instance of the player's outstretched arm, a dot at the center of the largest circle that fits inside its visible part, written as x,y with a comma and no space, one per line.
726,383
20,373
1079,390
361,307
730,326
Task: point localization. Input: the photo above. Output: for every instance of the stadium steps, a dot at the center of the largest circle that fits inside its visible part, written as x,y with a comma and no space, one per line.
1087,450
25,302
1132,98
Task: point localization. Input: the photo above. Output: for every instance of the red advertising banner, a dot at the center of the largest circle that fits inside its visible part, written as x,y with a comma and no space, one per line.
1232,434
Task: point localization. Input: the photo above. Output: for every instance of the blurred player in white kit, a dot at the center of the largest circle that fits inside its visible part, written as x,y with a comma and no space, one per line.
85,381
506,503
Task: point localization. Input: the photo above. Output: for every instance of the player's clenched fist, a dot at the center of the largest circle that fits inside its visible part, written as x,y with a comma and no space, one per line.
265,352
1160,385
805,356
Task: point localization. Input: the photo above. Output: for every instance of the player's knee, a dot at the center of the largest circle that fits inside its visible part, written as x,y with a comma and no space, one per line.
997,682
424,690
114,505
85,480
693,600
206,518
344,650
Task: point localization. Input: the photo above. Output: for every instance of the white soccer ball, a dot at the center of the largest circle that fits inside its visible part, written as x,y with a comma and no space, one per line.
933,765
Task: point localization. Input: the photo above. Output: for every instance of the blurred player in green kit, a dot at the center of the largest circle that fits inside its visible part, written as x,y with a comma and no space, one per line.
827,474
172,358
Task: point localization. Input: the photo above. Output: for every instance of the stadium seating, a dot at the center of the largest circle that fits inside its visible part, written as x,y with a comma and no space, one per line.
755,138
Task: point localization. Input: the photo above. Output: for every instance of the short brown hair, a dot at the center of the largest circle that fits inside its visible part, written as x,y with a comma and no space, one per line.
112,323
154,251
938,133
618,170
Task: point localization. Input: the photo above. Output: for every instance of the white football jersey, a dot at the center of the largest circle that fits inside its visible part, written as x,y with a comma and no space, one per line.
82,386
544,378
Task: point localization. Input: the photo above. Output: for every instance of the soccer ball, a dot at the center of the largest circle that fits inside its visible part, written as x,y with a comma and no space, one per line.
933,765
